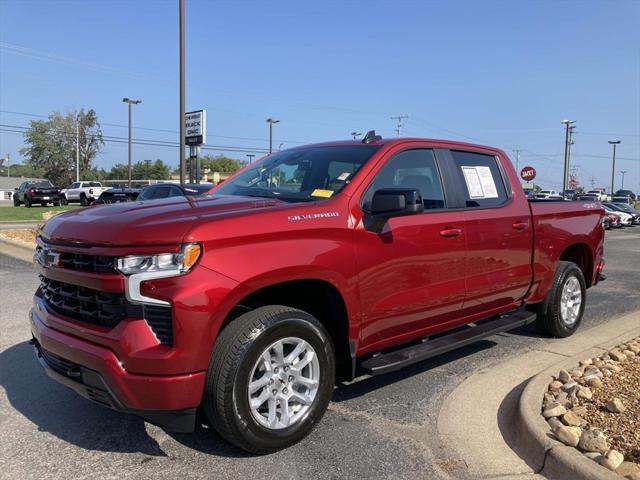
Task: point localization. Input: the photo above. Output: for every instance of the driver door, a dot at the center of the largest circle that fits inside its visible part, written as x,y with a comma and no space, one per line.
411,274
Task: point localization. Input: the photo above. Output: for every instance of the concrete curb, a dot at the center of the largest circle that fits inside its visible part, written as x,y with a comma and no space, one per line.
16,250
534,440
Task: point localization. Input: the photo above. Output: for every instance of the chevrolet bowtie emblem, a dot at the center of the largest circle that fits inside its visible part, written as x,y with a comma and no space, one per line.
47,257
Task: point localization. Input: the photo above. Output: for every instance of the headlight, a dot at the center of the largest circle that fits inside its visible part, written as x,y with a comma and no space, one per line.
164,262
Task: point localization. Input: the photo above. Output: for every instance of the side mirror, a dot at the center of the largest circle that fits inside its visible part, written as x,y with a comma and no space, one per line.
392,202
396,202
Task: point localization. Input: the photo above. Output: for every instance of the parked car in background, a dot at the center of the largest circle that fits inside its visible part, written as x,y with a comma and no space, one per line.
587,197
549,195
622,207
570,194
614,220
622,199
627,193
82,192
606,224
42,192
117,195
625,219
600,195
166,190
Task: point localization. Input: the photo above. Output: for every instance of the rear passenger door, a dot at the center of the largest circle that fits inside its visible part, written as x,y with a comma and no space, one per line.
498,233
411,274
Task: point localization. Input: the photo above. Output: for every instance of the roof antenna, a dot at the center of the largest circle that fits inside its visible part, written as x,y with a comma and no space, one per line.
371,137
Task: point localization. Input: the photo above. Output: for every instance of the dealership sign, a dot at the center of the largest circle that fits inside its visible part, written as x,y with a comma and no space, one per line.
195,127
528,174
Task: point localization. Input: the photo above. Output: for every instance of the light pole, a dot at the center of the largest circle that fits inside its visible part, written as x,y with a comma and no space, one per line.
622,186
567,124
182,101
130,102
271,121
78,147
613,167
355,135
250,155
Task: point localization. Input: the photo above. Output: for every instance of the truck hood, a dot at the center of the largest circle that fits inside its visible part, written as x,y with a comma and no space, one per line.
159,222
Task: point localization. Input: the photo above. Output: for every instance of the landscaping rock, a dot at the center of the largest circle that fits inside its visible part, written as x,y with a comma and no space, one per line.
615,405
617,355
580,410
612,459
571,419
554,423
586,361
555,386
629,470
570,385
564,376
556,410
593,381
568,435
584,393
593,441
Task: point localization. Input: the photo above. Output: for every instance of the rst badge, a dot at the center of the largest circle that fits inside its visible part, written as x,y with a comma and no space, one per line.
46,257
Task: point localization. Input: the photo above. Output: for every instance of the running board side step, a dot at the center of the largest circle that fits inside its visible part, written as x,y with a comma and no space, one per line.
395,360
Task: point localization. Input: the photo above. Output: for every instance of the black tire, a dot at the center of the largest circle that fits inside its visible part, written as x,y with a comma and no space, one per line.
56,204
83,200
44,204
234,355
16,202
63,200
551,321
27,202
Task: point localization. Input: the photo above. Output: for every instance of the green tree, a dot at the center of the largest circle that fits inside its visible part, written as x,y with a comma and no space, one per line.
145,170
21,170
51,144
220,163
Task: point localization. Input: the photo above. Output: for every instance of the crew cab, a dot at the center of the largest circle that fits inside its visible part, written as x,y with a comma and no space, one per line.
36,191
315,263
82,192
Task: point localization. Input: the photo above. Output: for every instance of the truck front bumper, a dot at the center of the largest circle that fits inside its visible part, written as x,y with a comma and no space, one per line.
95,372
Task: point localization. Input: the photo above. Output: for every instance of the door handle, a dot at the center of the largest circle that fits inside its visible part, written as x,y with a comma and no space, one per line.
450,232
521,225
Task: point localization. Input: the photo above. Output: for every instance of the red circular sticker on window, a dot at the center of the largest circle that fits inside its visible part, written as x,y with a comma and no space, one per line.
528,173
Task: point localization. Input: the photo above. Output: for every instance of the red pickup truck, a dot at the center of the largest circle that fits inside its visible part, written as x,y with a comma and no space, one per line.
322,261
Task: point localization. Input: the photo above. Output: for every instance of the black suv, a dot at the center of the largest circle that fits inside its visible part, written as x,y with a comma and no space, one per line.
40,191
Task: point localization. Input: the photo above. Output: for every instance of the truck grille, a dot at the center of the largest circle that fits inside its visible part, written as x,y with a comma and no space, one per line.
60,365
104,309
86,305
84,262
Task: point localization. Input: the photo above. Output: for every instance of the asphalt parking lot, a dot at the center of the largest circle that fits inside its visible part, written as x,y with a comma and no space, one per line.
382,427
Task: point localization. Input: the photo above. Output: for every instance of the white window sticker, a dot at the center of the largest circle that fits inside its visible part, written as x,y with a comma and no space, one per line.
473,182
343,176
488,184
480,182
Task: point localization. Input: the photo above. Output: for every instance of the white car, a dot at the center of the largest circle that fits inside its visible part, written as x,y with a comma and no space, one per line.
82,192
625,219
600,195
549,194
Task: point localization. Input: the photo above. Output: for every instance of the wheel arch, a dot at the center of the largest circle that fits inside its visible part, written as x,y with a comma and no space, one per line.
582,256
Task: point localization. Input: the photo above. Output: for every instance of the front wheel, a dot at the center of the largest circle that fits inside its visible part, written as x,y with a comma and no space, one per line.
63,200
16,202
83,200
27,202
270,378
566,302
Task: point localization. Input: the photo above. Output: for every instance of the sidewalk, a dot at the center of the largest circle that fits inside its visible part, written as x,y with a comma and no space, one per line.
478,419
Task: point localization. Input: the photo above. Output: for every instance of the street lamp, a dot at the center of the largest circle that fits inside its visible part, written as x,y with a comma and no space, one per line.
568,125
271,121
622,186
130,102
355,134
250,155
613,167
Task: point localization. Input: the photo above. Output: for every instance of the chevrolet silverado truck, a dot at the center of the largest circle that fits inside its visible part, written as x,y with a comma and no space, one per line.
316,263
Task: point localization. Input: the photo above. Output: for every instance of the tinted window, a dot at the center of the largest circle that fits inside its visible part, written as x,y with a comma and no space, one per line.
154,193
481,178
45,184
74,185
300,175
414,169
94,184
175,192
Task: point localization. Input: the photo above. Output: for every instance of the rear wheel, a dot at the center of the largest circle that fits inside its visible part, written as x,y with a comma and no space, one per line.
27,202
270,378
566,301
83,200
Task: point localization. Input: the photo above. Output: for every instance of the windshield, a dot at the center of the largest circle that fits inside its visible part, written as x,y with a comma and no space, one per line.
300,175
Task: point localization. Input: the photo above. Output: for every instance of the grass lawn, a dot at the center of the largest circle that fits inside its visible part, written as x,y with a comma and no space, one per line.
22,213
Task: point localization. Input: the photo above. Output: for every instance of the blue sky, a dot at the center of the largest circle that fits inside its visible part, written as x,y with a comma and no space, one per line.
503,73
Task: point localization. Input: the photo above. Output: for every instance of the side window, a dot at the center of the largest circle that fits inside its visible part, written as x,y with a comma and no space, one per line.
175,192
481,176
74,185
410,169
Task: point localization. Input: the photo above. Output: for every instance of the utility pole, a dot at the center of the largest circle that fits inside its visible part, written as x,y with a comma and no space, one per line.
622,186
567,124
399,119
130,102
250,155
517,151
271,121
78,145
355,135
182,102
613,167
593,183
